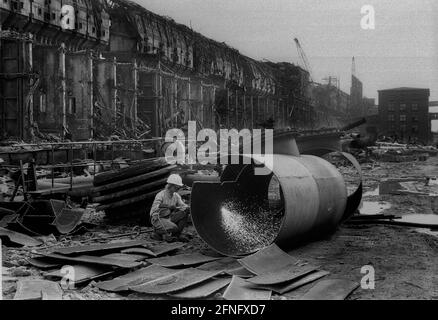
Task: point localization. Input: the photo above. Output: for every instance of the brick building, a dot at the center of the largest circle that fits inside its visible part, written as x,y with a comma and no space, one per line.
404,114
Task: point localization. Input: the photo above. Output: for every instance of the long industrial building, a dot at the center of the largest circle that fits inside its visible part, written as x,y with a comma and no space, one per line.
123,70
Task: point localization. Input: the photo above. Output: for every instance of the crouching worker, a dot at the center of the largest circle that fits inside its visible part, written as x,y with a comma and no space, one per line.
169,213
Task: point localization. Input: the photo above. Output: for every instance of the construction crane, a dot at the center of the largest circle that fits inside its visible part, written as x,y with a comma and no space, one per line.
304,60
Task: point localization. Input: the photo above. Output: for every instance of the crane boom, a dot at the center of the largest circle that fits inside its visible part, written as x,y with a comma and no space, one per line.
304,60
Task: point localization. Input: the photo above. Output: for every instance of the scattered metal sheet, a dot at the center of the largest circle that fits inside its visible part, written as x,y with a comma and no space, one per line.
202,290
241,272
99,247
80,273
8,219
331,289
223,264
175,282
124,256
19,238
189,259
68,219
43,263
239,289
135,278
142,251
163,248
285,274
294,284
268,259
38,290
94,260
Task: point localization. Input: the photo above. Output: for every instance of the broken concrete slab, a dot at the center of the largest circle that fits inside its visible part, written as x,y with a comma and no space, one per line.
285,274
79,274
331,289
94,260
267,259
284,288
38,290
189,259
19,238
98,247
203,290
176,282
135,278
239,289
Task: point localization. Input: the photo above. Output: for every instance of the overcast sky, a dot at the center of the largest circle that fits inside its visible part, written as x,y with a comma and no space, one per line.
401,51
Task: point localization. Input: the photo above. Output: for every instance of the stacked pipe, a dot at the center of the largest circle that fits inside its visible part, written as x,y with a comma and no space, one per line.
130,190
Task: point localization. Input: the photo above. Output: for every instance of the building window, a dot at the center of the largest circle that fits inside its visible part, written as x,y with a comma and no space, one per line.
403,128
43,103
402,117
391,117
71,105
391,106
21,5
415,129
415,107
39,11
402,106
415,119
53,16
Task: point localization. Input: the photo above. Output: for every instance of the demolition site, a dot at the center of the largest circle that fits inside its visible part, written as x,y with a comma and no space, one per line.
91,207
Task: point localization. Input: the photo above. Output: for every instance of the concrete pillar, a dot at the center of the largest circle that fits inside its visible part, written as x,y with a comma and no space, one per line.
91,83
115,93
63,88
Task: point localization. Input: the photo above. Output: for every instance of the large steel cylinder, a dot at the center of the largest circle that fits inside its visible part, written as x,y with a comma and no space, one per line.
300,198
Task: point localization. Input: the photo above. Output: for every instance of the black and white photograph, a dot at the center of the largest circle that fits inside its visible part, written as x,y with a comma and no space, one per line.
218,156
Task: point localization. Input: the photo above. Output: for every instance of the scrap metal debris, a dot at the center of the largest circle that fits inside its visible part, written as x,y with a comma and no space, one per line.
284,274
267,260
19,238
182,260
98,247
135,278
203,290
38,290
176,282
94,260
80,274
283,288
239,289
331,289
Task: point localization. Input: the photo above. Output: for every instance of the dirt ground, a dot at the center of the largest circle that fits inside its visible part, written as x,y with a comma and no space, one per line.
405,259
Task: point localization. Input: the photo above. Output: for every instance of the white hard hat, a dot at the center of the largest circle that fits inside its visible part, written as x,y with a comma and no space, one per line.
175,179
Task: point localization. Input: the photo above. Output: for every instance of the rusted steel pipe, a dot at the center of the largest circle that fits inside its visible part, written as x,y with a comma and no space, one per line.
300,198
